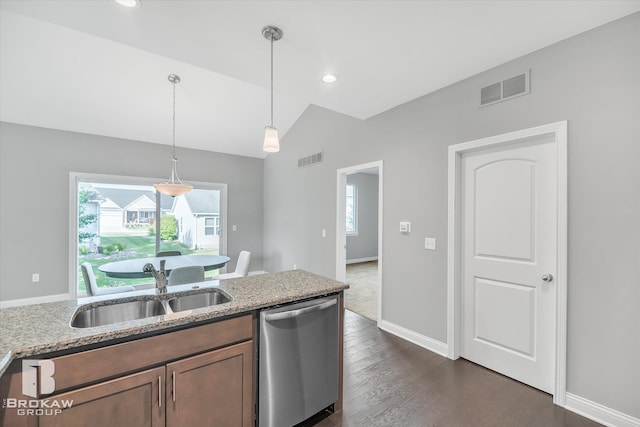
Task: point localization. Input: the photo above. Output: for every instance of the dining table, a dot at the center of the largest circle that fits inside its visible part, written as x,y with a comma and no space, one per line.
133,268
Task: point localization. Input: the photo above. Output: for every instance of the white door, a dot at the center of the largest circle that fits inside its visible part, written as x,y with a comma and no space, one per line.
509,208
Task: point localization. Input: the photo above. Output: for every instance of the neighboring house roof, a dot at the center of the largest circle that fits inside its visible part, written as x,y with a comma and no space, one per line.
203,202
123,197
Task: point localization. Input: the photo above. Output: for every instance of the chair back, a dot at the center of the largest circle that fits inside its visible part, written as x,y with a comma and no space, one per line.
189,274
242,267
89,279
92,287
169,253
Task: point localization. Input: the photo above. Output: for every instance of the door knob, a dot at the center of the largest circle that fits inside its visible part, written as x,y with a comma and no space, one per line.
547,277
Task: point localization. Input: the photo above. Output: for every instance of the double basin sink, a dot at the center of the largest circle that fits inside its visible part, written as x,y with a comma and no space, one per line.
112,311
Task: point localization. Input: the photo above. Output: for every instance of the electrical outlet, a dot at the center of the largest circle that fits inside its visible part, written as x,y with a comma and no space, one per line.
35,277
405,227
324,233
234,227
430,243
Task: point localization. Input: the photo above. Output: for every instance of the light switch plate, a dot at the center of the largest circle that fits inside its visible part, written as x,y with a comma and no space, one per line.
430,243
405,227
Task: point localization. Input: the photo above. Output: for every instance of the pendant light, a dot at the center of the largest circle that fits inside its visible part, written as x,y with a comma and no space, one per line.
271,141
173,187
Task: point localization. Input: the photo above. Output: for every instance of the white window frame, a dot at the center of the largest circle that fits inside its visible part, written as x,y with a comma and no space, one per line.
77,177
214,227
355,211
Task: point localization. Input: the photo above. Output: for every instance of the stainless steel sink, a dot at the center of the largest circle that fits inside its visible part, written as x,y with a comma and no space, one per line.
114,313
198,300
108,312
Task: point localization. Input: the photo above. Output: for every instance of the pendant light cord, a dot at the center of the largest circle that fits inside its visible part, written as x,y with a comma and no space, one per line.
272,80
174,121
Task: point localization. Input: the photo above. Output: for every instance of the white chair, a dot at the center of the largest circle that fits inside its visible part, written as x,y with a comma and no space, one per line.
189,274
242,267
92,287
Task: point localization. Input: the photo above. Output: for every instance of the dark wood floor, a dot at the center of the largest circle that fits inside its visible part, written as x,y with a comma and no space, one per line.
391,382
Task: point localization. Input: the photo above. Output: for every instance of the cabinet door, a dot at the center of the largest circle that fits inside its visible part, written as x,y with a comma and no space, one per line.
132,401
212,389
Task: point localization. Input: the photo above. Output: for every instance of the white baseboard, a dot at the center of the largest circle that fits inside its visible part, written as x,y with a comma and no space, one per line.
357,260
599,413
34,300
424,342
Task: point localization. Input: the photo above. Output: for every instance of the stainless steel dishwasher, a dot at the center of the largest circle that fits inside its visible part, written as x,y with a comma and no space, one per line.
298,361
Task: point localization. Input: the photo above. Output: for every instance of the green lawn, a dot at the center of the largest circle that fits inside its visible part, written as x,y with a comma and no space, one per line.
133,247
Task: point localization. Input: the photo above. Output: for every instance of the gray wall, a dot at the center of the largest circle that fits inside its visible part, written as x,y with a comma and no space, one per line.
365,243
591,80
34,197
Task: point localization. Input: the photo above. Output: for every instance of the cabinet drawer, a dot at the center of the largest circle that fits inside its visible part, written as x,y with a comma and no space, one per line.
89,366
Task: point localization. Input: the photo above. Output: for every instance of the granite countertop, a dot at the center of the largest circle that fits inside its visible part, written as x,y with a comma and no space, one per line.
32,330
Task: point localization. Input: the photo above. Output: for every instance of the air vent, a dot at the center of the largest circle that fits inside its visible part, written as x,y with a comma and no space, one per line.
506,89
311,160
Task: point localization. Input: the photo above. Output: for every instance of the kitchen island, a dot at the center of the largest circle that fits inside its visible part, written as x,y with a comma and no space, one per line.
43,331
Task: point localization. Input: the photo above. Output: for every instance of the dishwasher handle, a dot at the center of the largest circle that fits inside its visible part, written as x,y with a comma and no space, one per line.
295,313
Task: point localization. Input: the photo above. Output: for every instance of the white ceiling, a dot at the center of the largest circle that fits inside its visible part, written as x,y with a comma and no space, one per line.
100,68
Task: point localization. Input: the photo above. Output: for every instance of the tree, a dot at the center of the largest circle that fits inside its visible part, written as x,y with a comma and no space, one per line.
168,227
85,219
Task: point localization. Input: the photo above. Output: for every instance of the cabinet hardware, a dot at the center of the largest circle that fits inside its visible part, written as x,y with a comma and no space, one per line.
173,380
159,392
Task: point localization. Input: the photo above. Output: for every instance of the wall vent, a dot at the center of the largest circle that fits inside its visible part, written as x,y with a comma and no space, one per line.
506,89
310,160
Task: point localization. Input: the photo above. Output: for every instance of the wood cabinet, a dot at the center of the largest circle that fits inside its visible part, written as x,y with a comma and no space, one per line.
133,401
212,389
199,376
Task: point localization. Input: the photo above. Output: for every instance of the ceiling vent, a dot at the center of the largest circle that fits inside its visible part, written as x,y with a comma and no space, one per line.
506,89
311,160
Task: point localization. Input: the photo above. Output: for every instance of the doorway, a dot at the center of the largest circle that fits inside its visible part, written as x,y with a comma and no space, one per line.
359,237
507,255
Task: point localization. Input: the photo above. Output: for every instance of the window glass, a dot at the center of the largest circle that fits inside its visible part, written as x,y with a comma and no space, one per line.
352,202
119,221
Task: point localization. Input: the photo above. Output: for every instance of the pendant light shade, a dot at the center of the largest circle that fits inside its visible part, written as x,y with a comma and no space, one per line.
174,186
271,141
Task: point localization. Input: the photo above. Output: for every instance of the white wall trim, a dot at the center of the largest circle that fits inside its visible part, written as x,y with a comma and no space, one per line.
420,340
357,260
559,132
599,413
35,300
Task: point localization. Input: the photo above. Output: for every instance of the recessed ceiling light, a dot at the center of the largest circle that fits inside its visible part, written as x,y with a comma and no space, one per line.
329,78
129,3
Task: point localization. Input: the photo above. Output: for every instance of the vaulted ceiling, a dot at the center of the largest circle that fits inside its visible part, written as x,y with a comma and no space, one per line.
100,68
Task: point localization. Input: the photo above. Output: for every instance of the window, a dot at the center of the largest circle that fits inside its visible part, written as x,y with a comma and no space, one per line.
352,210
119,218
212,226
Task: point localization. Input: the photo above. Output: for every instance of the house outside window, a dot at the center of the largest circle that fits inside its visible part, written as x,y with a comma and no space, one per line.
352,210
118,218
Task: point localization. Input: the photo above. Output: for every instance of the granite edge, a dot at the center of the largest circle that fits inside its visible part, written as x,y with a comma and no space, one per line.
275,285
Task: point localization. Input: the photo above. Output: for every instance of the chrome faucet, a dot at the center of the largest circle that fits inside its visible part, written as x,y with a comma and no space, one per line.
160,276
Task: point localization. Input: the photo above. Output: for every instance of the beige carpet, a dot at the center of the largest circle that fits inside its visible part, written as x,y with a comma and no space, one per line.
362,296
